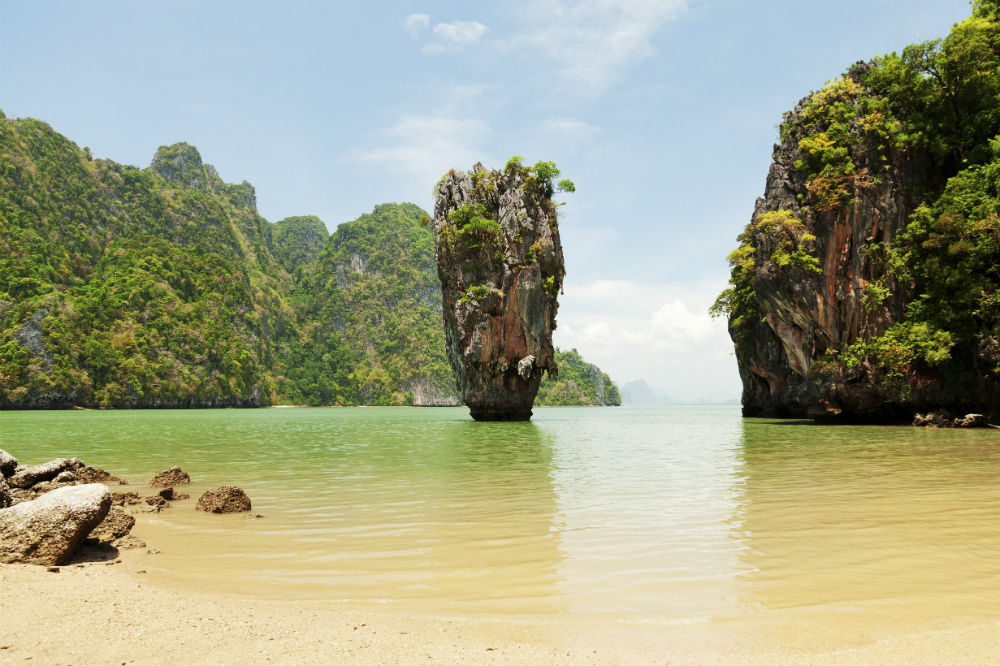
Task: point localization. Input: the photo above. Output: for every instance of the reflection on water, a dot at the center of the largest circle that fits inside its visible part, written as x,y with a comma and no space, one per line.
674,515
861,518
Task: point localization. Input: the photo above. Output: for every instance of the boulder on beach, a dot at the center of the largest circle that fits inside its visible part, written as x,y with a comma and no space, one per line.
8,464
26,477
117,524
174,476
224,499
48,530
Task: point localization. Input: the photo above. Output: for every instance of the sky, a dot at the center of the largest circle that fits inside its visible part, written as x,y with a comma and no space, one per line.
663,113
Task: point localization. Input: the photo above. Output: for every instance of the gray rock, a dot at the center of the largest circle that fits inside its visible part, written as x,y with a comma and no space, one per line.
8,464
29,476
31,336
65,476
174,476
224,499
48,530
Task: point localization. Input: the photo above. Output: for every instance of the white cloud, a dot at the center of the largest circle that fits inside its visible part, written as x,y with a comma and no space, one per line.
433,48
592,41
454,36
421,147
460,32
658,332
414,23
572,127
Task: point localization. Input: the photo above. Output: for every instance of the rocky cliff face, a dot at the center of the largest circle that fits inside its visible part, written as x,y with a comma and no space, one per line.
501,268
865,286
814,258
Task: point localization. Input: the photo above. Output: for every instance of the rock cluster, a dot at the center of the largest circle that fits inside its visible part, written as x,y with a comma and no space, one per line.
47,511
501,267
944,419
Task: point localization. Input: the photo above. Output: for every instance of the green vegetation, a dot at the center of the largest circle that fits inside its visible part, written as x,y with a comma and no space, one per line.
541,177
297,241
579,383
163,287
791,247
369,312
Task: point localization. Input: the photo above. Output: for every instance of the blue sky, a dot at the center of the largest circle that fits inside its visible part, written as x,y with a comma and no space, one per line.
663,112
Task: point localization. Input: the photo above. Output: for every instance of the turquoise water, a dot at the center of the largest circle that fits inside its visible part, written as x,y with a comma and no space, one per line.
674,514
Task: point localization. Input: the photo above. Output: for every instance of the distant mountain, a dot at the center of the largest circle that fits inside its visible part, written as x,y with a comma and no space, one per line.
164,287
637,392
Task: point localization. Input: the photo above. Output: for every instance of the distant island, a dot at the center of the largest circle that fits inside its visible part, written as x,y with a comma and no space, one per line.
164,287
867,284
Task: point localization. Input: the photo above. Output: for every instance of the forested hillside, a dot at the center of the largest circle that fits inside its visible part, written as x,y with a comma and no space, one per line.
164,287
579,383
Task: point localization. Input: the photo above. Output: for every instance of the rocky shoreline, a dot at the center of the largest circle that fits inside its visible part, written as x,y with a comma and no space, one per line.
51,511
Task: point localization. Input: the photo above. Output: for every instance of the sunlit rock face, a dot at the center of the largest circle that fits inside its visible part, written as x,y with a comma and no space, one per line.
501,268
804,311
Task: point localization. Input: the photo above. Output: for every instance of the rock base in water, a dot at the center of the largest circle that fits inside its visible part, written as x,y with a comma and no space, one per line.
499,414
224,499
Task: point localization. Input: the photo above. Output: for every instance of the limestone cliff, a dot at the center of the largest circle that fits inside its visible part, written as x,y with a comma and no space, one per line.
863,288
501,268
806,307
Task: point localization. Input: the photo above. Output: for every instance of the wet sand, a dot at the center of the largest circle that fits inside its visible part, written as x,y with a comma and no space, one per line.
100,613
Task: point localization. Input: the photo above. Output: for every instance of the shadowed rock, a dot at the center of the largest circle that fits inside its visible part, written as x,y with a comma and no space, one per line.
501,267
6,499
8,464
224,499
48,530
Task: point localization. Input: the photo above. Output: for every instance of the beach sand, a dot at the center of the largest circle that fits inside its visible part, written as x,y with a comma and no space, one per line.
99,613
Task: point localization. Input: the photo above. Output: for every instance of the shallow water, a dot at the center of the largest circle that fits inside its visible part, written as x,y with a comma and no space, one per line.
670,515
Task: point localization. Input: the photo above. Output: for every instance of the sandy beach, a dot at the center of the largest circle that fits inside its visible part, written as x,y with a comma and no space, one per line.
94,612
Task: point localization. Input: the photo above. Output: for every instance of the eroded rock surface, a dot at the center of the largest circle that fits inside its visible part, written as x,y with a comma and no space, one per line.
174,476
500,263
117,524
26,477
224,499
48,530
6,499
817,251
